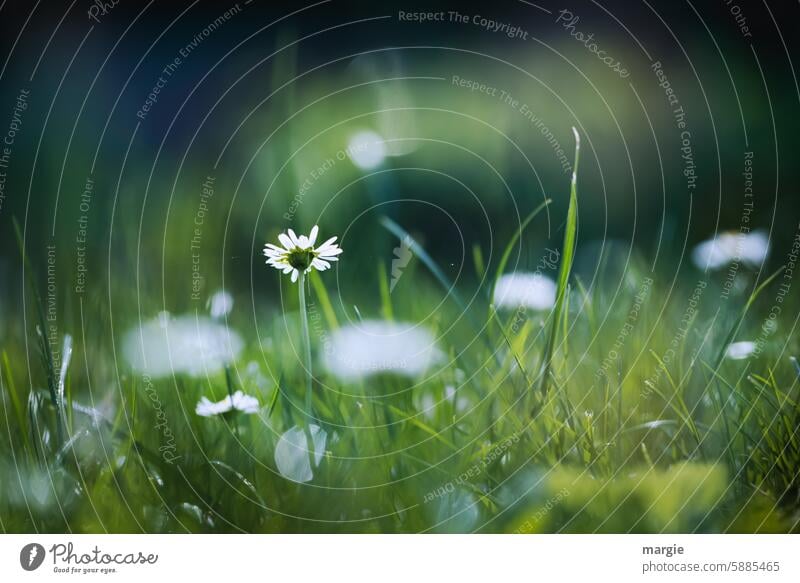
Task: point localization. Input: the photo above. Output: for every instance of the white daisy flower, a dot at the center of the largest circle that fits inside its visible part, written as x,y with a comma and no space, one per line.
237,402
749,248
527,290
740,350
299,254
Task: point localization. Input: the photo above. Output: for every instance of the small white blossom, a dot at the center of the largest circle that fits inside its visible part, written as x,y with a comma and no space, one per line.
237,402
299,254
740,350
527,290
749,248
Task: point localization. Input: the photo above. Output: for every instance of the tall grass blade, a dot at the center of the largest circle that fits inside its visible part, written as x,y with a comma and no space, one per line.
66,356
324,299
478,262
386,299
510,245
735,328
567,257
11,387
420,252
44,345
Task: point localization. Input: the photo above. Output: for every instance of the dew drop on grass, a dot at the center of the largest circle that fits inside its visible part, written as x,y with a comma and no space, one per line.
291,453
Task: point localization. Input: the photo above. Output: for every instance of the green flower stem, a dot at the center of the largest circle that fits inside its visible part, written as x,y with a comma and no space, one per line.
301,290
306,342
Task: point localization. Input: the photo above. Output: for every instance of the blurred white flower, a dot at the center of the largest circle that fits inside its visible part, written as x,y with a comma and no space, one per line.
292,453
182,345
164,318
527,290
377,346
220,304
254,376
749,248
237,402
299,254
740,350
366,149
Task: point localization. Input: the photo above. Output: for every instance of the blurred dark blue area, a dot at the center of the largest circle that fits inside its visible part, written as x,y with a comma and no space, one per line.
265,95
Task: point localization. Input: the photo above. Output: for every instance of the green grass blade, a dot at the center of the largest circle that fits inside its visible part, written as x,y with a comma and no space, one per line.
478,262
427,260
44,345
324,299
420,252
423,426
567,256
750,301
386,299
11,387
510,246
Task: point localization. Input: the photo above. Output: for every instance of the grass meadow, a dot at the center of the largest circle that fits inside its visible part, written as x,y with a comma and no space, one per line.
618,408
506,343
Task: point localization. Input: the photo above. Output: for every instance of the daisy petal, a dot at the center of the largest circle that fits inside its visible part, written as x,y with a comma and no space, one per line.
285,240
295,275
293,237
328,242
312,236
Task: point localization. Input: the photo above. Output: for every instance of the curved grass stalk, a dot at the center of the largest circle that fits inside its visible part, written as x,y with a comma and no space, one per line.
568,255
510,246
